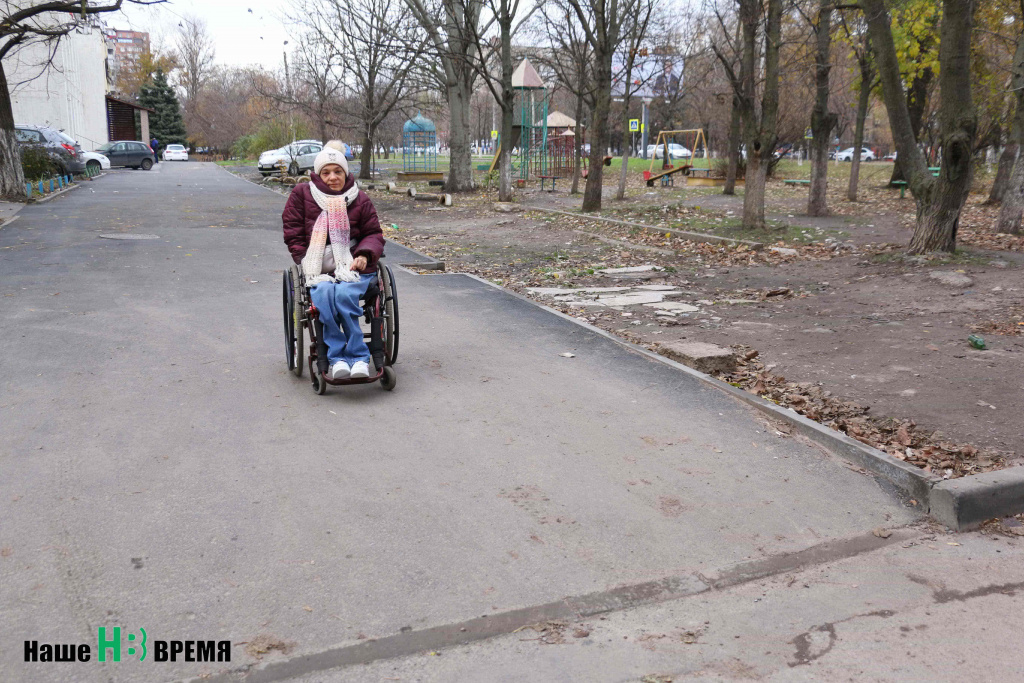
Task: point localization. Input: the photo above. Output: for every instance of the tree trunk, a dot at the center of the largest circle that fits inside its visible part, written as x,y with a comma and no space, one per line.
734,149
599,128
620,194
577,147
460,172
1012,210
366,158
1003,172
753,193
867,77
507,107
917,100
939,201
12,178
759,132
822,122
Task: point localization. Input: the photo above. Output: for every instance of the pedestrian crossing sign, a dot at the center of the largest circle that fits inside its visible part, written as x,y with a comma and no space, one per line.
634,125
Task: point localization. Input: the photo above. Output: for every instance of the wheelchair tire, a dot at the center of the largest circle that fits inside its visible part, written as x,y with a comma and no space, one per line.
389,379
298,333
387,279
288,308
319,385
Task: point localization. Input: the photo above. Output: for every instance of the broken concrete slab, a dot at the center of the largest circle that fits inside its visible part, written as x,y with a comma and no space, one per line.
568,291
655,288
706,358
784,251
951,278
673,306
631,299
630,269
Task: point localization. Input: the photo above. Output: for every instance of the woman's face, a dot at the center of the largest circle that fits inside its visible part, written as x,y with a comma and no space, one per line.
333,176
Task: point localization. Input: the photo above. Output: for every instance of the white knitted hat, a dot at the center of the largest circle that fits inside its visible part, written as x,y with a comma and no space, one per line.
329,155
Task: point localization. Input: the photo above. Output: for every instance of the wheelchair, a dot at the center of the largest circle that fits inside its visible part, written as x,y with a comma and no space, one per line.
302,320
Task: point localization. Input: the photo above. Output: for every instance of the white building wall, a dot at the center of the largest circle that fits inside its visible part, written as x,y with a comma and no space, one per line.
68,95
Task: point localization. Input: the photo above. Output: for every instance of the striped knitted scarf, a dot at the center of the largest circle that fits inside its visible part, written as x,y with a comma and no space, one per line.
333,220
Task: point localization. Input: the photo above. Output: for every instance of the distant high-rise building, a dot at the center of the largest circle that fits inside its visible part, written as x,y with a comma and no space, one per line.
124,48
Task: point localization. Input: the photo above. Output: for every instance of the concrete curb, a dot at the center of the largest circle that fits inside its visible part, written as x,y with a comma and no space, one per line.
684,234
961,504
53,195
431,264
967,502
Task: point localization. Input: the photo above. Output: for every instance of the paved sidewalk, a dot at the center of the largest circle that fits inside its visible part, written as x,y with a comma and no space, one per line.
162,469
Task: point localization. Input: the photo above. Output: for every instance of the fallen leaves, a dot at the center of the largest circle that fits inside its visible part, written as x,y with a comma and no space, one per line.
900,438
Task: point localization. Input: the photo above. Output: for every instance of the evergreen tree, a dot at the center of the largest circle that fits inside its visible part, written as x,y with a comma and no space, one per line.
165,123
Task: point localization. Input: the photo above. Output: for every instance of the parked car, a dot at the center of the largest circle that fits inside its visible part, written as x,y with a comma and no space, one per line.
889,157
96,161
175,153
65,152
297,157
129,153
847,154
675,151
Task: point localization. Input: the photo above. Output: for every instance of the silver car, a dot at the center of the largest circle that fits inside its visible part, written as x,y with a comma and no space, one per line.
65,152
295,158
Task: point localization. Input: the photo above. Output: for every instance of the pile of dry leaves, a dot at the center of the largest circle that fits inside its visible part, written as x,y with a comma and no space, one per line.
899,438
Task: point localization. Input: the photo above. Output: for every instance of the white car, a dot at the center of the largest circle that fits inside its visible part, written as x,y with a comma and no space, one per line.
175,153
96,161
675,151
847,154
296,157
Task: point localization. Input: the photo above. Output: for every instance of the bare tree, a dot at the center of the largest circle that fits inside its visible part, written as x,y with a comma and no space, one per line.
452,28
633,50
759,124
602,22
493,63
366,53
1011,213
24,22
939,200
570,59
822,120
195,50
862,51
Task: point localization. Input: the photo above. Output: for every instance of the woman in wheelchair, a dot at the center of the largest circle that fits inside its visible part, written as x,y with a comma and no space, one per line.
321,219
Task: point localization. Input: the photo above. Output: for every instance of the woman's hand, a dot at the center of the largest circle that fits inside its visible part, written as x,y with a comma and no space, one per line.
358,263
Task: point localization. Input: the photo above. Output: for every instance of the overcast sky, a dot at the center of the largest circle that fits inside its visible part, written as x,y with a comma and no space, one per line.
241,37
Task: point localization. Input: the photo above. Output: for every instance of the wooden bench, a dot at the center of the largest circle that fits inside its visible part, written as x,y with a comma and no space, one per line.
552,178
902,184
797,182
699,172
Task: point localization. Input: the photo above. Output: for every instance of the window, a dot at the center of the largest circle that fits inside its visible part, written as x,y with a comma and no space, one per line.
139,147
176,148
28,136
120,147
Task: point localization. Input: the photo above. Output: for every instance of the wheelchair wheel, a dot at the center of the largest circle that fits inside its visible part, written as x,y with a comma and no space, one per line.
292,322
387,279
389,379
295,272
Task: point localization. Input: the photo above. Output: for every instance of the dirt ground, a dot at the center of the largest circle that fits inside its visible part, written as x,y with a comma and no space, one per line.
847,329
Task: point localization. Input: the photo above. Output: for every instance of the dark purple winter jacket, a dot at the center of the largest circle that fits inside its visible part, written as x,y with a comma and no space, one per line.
301,212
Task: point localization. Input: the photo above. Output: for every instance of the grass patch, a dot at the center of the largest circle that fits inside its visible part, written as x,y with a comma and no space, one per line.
236,162
962,257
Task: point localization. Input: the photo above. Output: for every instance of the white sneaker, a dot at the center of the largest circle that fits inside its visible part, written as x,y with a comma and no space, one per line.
340,370
360,369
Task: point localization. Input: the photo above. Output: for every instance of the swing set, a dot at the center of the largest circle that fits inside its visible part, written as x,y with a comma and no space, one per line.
693,140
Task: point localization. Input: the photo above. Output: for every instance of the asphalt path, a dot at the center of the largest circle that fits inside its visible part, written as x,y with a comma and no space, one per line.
160,468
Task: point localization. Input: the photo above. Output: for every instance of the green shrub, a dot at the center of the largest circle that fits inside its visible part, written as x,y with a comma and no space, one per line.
36,164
